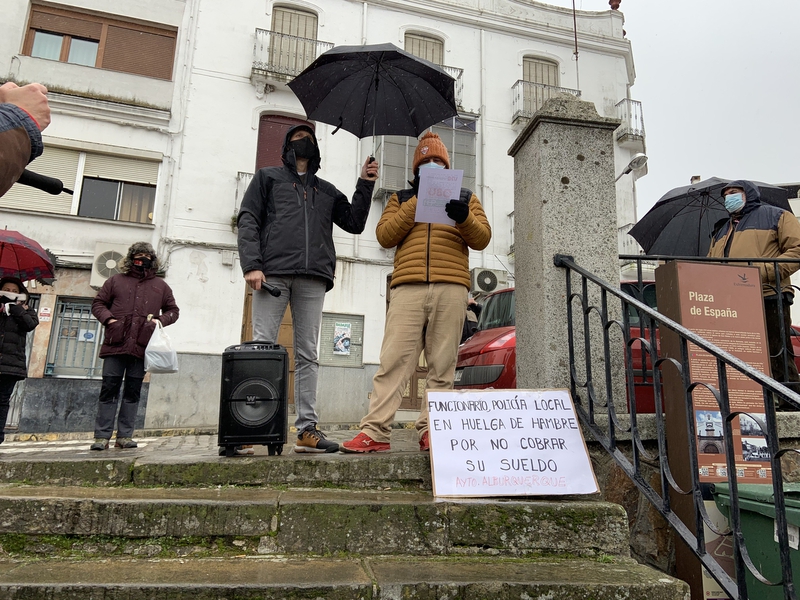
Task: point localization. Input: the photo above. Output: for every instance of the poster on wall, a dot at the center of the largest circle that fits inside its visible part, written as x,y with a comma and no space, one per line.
341,338
507,443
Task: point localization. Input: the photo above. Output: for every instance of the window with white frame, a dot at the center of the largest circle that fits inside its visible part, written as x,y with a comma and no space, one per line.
75,340
397,153
427,47
292,45
542,77
106,187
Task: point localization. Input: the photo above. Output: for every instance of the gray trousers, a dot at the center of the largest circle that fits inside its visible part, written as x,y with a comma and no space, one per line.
305,296
115,368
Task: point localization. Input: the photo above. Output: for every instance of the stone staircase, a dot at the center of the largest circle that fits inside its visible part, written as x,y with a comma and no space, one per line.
159,525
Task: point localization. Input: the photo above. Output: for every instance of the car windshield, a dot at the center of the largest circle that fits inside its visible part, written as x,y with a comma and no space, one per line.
498,311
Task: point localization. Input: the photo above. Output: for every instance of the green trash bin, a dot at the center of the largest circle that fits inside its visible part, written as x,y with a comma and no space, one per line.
757,508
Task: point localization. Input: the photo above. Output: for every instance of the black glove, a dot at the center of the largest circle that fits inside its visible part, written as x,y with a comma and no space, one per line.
15,310
458,210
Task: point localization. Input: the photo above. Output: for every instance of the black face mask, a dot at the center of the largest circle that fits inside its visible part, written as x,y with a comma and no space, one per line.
142,264
303,148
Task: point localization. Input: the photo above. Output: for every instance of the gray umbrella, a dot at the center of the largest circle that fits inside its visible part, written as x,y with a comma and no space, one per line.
681,222
375,90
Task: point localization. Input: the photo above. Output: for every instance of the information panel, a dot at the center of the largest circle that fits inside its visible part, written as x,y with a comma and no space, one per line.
507,443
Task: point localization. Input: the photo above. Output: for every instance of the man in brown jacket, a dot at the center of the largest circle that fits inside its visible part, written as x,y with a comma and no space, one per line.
128,304
429,292
24,113
757,230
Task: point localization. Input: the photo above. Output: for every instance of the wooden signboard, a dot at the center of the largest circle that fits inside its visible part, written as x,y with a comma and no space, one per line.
507,443
724,305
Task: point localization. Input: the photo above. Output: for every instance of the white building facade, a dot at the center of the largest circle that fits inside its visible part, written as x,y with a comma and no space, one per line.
163,109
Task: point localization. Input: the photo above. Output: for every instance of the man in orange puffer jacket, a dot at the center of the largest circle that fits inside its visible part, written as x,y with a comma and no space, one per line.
429,294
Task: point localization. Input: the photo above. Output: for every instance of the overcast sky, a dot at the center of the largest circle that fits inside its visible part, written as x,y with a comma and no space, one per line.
719,82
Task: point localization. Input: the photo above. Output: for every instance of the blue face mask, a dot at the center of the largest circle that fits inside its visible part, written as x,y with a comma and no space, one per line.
734,202
431,165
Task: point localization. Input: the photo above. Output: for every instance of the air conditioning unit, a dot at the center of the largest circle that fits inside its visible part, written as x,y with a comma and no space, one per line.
106,261
488,280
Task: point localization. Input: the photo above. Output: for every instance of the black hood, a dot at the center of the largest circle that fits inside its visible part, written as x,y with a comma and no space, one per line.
288,155
751,193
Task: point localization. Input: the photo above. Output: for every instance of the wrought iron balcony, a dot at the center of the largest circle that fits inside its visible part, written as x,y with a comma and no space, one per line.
278,57
456,74
631,130
528,97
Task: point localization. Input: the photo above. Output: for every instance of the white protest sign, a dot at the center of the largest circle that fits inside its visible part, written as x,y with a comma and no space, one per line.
507,443
436,188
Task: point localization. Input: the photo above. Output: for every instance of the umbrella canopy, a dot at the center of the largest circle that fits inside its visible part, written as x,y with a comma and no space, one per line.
22,257
375,90
681,222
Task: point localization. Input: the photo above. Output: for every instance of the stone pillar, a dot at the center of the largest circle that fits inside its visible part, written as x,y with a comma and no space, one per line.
564,203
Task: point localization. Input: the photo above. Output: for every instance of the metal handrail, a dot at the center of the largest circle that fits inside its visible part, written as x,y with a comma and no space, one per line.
586,404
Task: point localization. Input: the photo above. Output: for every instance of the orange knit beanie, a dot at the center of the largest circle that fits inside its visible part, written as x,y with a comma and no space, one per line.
430,146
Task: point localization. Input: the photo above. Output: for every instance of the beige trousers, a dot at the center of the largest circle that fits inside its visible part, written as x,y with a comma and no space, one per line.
422,316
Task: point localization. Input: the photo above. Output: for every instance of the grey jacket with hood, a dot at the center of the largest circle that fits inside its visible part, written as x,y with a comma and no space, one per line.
286,226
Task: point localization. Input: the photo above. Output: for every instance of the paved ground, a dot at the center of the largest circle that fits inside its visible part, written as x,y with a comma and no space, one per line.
180,446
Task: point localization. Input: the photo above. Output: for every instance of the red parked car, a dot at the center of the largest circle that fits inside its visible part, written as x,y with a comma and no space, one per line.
489,358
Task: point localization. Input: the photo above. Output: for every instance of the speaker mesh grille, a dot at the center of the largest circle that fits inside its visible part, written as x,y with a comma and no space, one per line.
254,402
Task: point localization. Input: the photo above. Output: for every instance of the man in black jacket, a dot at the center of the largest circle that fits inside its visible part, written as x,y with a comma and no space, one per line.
286,241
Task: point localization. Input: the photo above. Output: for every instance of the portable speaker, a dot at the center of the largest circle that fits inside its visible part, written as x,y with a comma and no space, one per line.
254,396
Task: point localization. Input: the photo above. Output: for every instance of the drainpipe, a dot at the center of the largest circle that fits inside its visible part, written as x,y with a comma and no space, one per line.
483,138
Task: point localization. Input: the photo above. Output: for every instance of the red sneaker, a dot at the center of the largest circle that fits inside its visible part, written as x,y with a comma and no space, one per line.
363,443
424,443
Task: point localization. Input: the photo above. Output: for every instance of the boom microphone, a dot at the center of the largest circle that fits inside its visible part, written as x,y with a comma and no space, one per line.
51,185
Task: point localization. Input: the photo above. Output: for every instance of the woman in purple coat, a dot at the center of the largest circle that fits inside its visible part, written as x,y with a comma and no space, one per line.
128,305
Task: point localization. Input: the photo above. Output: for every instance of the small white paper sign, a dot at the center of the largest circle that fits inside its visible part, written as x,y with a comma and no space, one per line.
507,443
436,188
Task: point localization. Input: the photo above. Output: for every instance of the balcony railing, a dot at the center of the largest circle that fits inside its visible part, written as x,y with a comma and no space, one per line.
243,180
528,97
456,74
630,113
281,57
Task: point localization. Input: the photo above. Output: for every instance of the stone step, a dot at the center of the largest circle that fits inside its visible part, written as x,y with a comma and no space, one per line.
171,522
373,578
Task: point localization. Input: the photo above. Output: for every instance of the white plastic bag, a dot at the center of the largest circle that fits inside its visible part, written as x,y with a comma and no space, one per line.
160,356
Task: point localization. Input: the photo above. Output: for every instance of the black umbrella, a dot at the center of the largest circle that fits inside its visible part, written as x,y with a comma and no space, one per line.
681,222
375,90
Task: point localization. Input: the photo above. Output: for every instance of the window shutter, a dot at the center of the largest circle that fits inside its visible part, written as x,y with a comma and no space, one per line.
536,70
429,48
271,133
139,52
121,169
295,22
66,25
54,162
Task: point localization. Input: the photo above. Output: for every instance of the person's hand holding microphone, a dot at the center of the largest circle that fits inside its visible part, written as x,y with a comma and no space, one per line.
31,98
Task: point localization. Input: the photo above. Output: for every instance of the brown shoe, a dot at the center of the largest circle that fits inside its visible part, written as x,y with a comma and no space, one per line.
313,440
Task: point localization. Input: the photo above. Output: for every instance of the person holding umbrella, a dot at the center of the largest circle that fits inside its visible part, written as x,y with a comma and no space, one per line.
430,290
757,230
288,257
16,320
